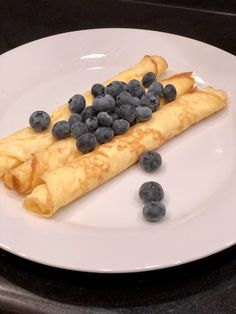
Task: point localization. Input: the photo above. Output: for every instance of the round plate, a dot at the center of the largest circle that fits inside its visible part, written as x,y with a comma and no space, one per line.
104,231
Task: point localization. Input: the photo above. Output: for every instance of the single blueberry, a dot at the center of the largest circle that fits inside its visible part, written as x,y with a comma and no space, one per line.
156,88
125,86
151,101
88,112
128,113
92,123
154,211
169,92
78,129
75,117
151,191
104,103
86,143
124,98
77,103
115,88
143,113
137,91
104,119
135,101
104,134
150,161
97,89
120,126
148,79
39,120
133,83
61,130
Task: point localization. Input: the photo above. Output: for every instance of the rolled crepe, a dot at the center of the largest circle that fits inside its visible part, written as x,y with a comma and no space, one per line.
18,147
63,185
27,176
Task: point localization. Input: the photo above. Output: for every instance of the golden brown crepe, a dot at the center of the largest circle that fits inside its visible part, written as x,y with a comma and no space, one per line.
27,176
18,147
63,185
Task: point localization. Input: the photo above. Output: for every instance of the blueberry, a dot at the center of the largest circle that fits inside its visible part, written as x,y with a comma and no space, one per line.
120,126
115,116
151,191
104,119
135,101
88,112
125,86
104,103
39,121
86,142
61,130
124,98
92,123
150,161
104,134
115,88
154,211
97,89
128,113
148,79
77,103
143,114
117,110
156,88
133,83
78,129
133,123
151,101
137,91
169,92
75,117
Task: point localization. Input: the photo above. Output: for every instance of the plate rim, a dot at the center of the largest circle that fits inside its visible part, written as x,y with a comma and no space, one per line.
111,29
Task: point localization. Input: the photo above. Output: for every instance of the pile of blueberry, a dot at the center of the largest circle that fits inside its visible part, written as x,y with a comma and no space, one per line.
115,108
151,192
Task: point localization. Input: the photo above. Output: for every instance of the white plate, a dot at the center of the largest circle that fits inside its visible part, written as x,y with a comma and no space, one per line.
104,231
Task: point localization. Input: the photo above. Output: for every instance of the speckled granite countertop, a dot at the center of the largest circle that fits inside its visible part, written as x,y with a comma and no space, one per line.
205,286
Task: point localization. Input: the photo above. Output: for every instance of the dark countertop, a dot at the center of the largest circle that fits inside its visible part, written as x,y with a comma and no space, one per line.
205,286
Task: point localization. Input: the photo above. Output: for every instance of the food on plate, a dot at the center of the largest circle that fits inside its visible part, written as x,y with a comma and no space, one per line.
28,175
63,185
97,89
148,79
154,211
77,103
75,117
151,191
104,134
39,121
120,126
18,147
93,122
151,101
169,92
156,88
86,142
78,128
150,161
104,103
61,130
